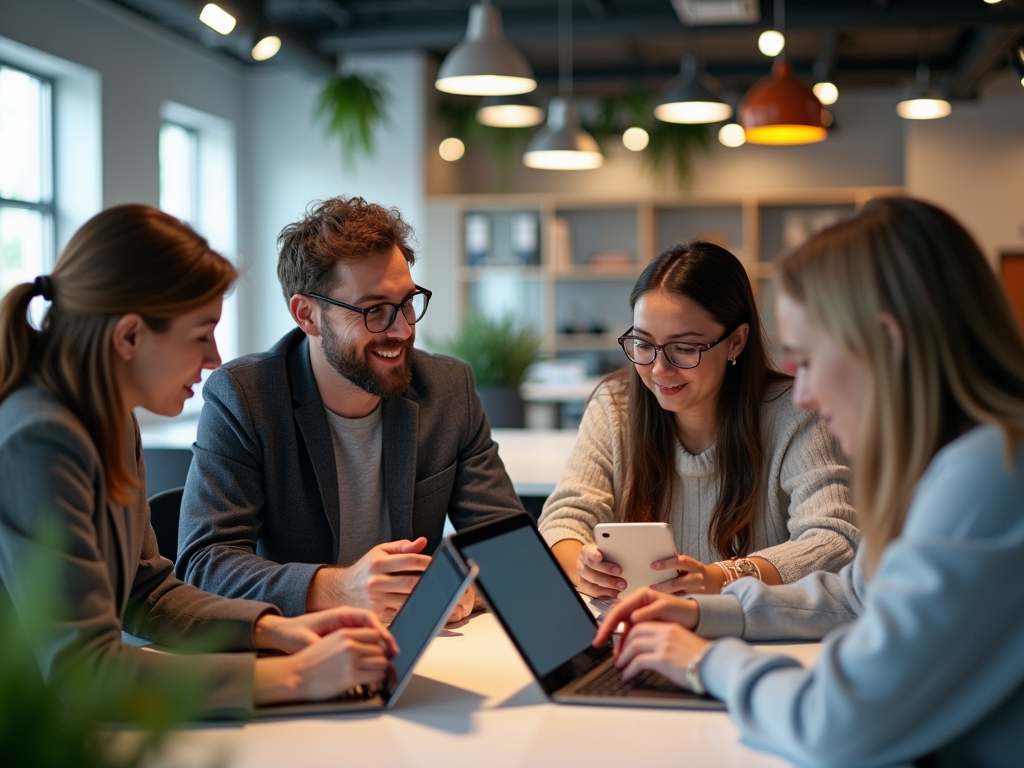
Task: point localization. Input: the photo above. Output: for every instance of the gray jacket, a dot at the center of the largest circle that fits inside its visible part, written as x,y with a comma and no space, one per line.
261,512
110,572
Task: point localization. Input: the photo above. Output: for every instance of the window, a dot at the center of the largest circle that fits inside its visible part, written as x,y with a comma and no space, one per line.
26,177
179,172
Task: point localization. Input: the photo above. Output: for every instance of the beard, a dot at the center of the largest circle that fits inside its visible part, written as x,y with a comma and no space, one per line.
357,367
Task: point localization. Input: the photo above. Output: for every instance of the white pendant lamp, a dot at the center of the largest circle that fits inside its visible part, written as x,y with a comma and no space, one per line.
516,111
689,98
924,102
562,145
484,63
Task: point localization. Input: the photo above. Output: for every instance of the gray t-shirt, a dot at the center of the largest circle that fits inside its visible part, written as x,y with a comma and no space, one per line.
358,454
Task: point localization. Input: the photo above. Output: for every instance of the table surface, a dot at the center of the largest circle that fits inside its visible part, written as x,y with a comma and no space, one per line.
473,702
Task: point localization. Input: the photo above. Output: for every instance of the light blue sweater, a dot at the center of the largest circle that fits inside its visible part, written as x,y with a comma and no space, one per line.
925,657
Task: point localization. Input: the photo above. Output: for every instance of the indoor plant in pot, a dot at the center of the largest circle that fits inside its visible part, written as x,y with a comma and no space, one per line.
499,351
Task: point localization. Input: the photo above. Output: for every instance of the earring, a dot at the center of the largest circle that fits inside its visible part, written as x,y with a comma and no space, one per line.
733,360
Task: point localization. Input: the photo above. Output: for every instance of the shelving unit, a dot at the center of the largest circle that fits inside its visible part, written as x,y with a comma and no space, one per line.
579,305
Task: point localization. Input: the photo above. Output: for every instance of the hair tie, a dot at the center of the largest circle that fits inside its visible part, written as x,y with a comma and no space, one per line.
43,287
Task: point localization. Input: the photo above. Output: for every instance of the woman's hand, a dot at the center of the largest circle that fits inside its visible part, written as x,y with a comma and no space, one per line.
693,576
660,647
354,653
276,633
644,606
597,577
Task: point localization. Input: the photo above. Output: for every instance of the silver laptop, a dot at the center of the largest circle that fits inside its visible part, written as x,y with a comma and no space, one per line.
550,624
422,616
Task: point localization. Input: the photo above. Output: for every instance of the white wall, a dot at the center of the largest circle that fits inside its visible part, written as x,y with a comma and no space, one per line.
972,164
288,162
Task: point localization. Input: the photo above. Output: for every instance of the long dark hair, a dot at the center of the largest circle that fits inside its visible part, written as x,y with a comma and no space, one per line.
716,281
130,258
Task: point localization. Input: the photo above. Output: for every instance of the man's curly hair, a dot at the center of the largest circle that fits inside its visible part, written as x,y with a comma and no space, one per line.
337,230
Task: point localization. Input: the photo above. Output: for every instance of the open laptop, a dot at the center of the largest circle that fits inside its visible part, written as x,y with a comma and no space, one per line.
550,624
424,613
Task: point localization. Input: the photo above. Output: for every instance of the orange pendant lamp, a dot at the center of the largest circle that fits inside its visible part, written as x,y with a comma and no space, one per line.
781,110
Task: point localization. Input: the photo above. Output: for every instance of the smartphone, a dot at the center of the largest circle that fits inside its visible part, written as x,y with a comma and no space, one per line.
634,546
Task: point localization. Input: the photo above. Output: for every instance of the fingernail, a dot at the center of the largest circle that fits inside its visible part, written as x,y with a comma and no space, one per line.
620,584
656,566
616,571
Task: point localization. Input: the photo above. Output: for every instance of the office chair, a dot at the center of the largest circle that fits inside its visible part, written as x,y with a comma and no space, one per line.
164,509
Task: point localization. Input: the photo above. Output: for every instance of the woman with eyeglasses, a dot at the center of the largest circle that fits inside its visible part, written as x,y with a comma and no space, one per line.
903,340
700,432
134,300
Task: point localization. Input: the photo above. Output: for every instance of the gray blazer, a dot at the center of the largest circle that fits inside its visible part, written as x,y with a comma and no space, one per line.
109,568
261,512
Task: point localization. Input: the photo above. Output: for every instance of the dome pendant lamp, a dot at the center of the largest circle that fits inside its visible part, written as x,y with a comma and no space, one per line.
924,101
485,63
562,144
690,99
780,110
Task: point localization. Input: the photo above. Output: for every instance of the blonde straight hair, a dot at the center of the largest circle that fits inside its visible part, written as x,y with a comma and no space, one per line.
130,258
962,360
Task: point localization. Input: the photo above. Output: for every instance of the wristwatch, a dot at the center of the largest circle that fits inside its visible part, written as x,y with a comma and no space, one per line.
693,671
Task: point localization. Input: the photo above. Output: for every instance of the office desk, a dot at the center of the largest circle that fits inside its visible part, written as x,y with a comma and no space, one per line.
473,703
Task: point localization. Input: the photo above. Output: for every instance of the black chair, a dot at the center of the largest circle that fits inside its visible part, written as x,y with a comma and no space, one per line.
166,468
164,510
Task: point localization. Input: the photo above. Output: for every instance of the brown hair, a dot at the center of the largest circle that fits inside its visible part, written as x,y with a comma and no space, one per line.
716,281
962,359
130,258
338,230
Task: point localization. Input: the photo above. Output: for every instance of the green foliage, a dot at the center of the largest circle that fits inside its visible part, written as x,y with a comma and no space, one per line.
504,145
672,145
353,106
498,351
39,729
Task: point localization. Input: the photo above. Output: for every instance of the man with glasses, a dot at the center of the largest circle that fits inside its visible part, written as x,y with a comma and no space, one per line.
323,469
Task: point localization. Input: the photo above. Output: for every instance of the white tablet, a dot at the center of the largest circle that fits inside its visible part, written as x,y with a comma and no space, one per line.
633,547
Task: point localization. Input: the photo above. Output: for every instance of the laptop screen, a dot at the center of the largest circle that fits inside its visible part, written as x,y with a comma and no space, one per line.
416,622
539,608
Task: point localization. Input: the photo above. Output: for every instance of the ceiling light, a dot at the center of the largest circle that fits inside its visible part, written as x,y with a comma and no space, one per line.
451,149
781,110
484,63
1017,61
217,19
635,139
509,112
771,42
732,135
993,2
561,144
689,98
924,102
266,48
826,92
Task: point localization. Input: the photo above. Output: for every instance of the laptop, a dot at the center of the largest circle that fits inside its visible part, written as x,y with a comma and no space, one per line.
414,626
551,626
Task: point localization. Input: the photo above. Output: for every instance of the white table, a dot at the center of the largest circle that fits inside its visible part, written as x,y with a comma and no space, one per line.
474,703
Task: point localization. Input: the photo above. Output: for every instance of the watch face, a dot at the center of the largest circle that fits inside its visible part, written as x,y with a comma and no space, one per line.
746,568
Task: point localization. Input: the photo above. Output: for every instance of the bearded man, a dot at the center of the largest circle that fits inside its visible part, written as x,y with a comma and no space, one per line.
324,468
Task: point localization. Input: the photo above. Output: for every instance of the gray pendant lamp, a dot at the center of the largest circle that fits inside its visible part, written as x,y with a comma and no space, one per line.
690,98
517,111
484,63
562,145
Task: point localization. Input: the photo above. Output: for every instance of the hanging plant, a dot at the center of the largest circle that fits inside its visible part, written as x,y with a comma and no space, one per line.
504,145
672,145
354,106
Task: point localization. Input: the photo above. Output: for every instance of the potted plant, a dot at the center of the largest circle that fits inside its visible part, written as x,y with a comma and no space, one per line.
499,351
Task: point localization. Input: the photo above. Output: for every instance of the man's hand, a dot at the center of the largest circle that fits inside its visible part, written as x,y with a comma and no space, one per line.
465,605
380,580
290,635
647,605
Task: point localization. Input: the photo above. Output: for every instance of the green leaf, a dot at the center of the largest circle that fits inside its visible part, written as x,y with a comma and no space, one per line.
353,106
498,351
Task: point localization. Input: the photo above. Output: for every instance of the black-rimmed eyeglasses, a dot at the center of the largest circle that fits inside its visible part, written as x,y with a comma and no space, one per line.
379,317
678,353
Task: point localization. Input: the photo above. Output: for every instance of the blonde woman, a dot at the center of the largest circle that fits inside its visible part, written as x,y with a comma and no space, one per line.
903,341
134,300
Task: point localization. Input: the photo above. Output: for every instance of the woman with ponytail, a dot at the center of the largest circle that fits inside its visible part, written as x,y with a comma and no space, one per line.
699,432
133,302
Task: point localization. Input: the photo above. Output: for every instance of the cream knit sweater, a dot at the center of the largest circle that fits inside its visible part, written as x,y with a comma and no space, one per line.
806,522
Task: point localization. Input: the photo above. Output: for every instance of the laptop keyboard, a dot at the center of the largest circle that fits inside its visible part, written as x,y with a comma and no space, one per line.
610,683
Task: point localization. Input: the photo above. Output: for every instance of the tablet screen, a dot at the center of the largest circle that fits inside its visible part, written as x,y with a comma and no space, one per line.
539,608
415,624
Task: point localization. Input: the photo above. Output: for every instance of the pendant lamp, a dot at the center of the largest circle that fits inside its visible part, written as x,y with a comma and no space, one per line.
689,98
924,101
484,63
562,144
781,110
516,111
